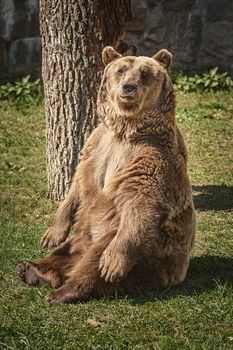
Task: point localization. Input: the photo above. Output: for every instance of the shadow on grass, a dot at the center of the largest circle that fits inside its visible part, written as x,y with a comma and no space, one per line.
205,273
213,197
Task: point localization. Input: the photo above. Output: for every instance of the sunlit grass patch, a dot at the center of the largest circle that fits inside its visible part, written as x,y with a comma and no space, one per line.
196,315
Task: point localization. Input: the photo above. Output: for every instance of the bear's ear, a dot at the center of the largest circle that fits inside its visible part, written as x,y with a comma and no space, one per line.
164,57
109,55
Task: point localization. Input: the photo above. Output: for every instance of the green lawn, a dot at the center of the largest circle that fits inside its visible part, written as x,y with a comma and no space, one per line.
196,315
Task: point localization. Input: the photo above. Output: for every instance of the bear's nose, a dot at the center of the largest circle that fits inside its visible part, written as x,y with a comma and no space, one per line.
128,88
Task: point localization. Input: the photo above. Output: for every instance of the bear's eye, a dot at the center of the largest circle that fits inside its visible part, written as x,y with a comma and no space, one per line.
121,70
145,74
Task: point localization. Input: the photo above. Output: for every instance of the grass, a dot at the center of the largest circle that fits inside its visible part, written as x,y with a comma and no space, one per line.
196,315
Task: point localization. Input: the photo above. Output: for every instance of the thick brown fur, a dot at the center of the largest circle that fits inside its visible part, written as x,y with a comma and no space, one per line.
130,201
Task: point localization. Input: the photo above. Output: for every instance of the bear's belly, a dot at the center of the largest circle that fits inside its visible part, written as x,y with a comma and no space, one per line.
113,166
116,157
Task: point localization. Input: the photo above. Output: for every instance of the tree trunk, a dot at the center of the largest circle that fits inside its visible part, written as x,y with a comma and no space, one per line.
74,33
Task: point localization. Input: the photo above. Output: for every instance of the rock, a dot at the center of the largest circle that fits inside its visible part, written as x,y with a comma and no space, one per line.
156,26
217,48
139,16
18,19
216,10
198,33
20,48
25,56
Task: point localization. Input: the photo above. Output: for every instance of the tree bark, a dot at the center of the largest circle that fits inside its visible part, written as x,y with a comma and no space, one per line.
74,33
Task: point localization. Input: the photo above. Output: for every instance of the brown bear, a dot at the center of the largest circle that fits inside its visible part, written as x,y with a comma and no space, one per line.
130,200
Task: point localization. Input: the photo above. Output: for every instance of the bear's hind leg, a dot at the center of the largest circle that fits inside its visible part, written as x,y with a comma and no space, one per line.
49,270
54,268
83,278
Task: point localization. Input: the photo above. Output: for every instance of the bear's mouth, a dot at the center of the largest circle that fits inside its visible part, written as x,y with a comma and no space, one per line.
128,98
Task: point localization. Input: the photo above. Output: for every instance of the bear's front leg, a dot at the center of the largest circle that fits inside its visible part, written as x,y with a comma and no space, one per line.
115,262
64,219
54,236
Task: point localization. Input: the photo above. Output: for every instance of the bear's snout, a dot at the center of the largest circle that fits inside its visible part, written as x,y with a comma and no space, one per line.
129,88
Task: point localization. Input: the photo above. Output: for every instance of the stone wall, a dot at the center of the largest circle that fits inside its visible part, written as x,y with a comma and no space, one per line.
198,32
20,46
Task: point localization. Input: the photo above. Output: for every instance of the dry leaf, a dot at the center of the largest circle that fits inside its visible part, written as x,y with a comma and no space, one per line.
92,322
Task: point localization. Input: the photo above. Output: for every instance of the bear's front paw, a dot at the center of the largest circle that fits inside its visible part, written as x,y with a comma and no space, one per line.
113,265
53,237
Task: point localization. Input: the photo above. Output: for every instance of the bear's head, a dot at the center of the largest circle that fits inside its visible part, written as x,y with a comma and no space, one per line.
135,91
